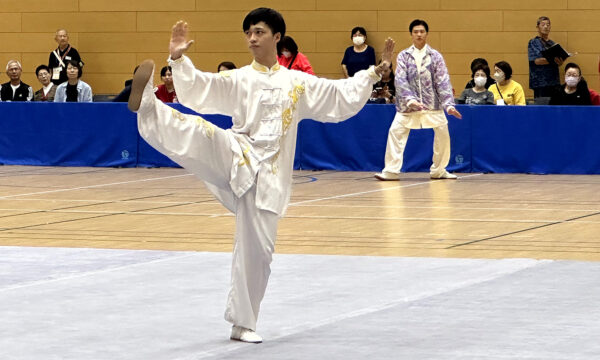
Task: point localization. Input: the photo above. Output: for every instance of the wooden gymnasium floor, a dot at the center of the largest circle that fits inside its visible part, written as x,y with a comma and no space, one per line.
343,213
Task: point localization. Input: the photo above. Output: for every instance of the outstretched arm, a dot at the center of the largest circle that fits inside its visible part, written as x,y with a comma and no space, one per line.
336,100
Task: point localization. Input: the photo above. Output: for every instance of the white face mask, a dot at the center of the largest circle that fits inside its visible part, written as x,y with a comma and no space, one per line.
499,76
358,40
286,54
572,81
480,81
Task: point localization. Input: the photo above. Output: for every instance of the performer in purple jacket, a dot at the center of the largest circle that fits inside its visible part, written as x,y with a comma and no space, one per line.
423,92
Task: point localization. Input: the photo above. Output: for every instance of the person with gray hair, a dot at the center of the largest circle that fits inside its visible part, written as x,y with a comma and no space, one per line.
15,89
543,74
61,56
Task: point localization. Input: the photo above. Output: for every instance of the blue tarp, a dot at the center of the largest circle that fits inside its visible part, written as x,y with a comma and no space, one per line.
515,139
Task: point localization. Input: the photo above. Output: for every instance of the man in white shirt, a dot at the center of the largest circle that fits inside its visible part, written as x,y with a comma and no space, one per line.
248,167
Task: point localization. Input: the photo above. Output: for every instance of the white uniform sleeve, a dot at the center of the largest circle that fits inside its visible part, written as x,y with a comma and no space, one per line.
203,92
328,100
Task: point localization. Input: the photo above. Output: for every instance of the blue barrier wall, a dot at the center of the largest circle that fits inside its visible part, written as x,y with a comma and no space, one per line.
531,139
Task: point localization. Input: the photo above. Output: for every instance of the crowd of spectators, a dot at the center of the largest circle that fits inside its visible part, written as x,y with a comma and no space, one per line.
61,80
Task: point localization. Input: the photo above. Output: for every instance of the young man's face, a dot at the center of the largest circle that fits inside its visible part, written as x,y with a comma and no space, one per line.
261,41
419,36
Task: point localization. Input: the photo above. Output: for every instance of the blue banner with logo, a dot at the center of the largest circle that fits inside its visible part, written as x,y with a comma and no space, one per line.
517,139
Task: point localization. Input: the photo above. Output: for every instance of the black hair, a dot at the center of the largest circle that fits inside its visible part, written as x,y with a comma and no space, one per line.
287,42
477,61
272,18
41,67
360,29
573,66
75,63
163,71
480,66
506,69
228,64
418,22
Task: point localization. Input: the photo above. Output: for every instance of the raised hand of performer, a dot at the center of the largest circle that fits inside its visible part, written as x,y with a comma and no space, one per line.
179,42
386,56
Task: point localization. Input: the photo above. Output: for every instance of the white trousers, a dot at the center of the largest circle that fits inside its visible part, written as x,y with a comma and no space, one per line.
205,150
396,142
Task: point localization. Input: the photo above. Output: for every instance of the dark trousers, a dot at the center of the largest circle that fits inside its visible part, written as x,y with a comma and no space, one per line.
546,91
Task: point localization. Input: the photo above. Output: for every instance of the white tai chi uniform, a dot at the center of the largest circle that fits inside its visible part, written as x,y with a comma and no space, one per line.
248,167
421,76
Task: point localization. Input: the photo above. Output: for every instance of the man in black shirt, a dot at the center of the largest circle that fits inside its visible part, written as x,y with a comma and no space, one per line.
15,89
59,57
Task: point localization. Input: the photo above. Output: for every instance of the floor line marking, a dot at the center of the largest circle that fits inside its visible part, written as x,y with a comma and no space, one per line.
524,230
93,186
373,191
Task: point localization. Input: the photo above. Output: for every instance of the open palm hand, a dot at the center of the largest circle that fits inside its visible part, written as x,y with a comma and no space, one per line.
179,43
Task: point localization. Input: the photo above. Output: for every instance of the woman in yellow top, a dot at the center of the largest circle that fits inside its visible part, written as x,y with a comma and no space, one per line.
505,90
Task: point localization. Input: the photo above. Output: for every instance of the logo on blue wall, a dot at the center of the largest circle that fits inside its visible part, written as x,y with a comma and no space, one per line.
124,155
459,159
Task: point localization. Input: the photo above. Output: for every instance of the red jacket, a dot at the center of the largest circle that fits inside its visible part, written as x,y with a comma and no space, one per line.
300,63
595,97
164,95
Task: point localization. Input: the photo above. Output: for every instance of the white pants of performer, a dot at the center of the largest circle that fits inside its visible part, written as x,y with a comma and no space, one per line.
396,142
207,154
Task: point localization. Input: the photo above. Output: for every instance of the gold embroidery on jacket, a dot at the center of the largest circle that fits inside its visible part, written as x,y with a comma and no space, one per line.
207,127
287,116
245,160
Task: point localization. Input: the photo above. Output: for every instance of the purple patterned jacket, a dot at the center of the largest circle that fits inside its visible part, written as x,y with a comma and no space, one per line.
435,91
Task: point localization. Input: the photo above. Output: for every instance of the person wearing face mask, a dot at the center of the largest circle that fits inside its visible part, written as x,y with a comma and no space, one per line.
506,91
360,56
574,91
46,93
291,58
476,62
165,92
478,94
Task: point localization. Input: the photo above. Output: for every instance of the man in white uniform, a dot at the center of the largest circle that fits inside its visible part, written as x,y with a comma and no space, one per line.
248,167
